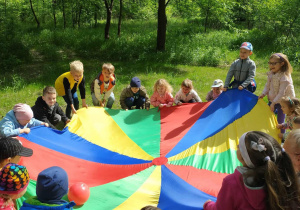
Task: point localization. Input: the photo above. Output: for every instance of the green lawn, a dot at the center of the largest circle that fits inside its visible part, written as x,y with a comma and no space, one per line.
26,85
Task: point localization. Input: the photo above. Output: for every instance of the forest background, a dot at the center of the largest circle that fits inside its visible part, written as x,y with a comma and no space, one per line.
151,39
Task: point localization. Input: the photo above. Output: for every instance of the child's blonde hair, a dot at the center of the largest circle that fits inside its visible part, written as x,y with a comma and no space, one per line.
109,67
286,68
49,90
292,103
76,66
163,82
187,83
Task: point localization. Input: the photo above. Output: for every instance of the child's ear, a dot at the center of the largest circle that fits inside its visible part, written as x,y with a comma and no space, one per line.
43,98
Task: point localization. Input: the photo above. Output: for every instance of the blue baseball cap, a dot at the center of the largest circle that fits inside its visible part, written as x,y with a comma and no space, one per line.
247,46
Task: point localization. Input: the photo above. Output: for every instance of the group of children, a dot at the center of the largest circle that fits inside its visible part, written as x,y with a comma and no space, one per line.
267,179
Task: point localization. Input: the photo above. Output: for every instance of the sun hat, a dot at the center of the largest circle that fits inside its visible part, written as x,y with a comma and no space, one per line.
14,179
135,82
217,83
23,112
11,147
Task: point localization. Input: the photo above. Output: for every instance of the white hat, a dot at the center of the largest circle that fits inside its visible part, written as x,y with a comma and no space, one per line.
217,83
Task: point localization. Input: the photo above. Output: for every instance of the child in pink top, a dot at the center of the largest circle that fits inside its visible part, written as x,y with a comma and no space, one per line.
266,168
162,95
279,84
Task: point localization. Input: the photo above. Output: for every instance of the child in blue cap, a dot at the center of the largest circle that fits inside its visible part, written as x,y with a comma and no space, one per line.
243,70
52,185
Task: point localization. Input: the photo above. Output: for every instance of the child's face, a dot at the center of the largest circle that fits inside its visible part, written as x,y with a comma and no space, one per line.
76,75
106,74
275,65
285,109
23,122
217,90
185,90
50,99
292,150
161,89
134,89
244,53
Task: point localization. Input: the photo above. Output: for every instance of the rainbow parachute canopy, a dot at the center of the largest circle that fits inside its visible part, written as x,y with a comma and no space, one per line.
174,158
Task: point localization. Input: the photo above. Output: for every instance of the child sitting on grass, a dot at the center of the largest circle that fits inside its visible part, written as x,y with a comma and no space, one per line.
46,109
216,90
51,185
291,108
11,151
67,84
104,84
134,95
267,179
243,70
14,180
162,95
186,94
19,120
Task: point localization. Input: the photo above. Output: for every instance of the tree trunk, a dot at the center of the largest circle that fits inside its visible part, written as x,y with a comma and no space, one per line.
36,20
161,25
120,18
64,13
206,20
79,14
53,11
108,17
5,9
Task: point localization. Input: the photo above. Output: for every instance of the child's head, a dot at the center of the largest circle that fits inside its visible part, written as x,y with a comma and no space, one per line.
76,69
11,150
290,106
52,184
135,84
23,113
107,71
292,147
280,62
14,180
49,95
245,50
296,122
269,165
162,86
217,86
186,86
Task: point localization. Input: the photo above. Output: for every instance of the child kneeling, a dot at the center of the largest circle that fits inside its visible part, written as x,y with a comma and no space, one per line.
52,185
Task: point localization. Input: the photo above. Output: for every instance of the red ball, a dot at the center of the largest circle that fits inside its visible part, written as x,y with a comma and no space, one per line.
79,193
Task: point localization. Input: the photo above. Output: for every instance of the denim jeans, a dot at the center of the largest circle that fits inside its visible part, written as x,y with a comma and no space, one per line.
75,103
138,103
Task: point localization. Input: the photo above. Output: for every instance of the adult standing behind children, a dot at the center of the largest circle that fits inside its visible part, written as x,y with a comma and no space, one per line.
104,84
67,84
186,94
19,120
134,95
243,70
279,84
46,109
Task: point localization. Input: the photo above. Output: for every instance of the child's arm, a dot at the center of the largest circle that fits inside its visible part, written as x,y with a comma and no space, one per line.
154,101
60,112
266,88
82,92
284,83
177,98
123,98
41,115
196,96
251,74
68,93
143,93
8,129
209,96
170,99
97,90
229,75
106,95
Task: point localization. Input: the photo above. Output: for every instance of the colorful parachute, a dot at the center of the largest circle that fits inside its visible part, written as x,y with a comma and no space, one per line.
173,158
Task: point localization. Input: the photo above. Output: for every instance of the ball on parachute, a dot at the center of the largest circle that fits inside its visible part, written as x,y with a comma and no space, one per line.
79,193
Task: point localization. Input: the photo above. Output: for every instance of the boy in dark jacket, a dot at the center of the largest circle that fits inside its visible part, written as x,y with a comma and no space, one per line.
46,109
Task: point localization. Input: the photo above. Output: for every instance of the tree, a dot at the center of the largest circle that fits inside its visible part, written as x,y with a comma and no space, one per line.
108,7
161,25
120,18
36,20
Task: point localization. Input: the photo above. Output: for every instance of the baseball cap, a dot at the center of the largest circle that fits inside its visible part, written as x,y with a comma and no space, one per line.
247,46
11,147
217,83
